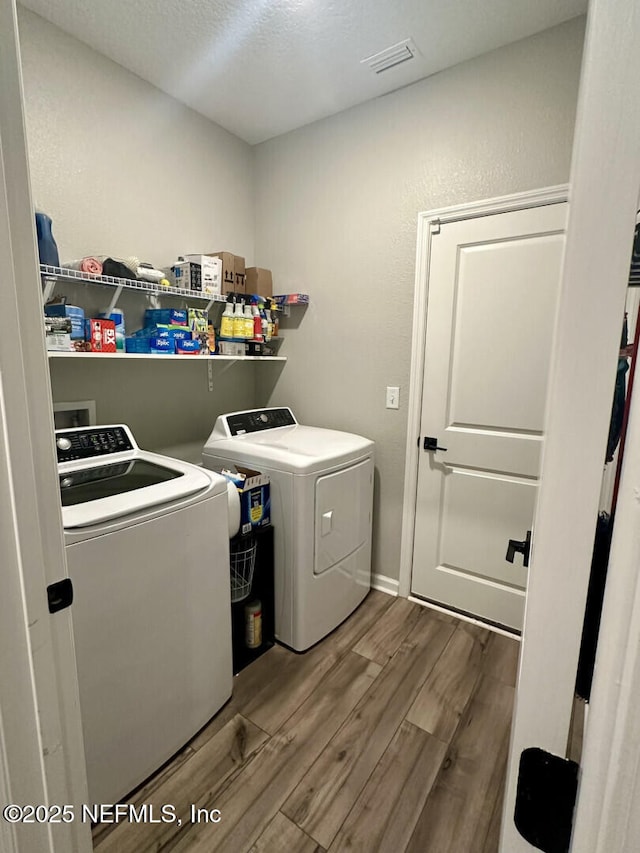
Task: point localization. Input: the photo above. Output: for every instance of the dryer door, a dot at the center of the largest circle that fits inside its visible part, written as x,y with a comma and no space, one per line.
342,514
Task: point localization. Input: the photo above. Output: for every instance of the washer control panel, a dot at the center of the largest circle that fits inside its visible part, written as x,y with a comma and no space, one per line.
90,442
242,423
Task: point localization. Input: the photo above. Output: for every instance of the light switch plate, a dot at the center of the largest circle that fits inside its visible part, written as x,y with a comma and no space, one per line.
393,397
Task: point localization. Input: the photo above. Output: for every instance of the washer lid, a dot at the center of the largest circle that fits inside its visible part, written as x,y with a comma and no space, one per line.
121,484
298,449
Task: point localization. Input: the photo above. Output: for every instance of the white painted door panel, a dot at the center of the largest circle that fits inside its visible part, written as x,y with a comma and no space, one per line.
493,284
502,325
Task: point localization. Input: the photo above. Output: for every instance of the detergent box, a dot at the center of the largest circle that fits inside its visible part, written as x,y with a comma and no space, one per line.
255,497
75,314
58,333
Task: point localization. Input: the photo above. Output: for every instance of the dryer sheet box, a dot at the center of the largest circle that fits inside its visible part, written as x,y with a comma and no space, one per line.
254,491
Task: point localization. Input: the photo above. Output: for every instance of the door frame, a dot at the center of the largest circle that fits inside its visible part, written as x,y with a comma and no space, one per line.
605,184
429,223
41,746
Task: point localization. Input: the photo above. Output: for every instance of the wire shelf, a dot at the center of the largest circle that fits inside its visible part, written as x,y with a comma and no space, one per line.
49,272
123,356
242,562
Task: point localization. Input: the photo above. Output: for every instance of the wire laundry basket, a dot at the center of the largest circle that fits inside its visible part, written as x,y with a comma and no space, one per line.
243,561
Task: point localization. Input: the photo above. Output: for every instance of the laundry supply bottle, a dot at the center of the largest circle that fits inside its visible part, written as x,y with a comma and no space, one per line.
226,323
248,322
238,321
257,324
269,325
263,320
253,625
47,248
276,320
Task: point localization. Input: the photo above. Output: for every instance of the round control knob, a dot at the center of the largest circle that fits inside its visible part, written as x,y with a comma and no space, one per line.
66,482
264,418
63,443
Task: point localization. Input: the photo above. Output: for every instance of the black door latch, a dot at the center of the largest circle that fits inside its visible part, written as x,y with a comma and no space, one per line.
524,548
60,595
432,444
545,800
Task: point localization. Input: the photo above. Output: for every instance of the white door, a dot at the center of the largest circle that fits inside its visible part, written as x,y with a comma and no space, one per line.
493,284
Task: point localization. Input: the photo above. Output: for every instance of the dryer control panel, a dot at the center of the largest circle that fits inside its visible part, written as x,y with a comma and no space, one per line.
241,423
89,442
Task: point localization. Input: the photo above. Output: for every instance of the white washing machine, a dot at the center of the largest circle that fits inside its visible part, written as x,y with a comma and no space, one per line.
148,555
321,509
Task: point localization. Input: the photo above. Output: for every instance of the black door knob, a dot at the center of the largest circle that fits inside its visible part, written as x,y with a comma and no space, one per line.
515,546
432,444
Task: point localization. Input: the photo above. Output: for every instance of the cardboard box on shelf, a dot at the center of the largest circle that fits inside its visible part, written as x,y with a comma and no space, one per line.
118,318
239,273
198,320
58,333
75,314
211,273
188,347
233,271
228,269
234,348
100,335
207,340
154,345
201,273
166,317
292,299
259,281
162,346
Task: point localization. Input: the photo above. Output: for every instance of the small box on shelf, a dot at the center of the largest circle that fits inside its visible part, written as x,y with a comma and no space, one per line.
100,335
188,346
200,273
73,312
235,348
166,316
259,281
291,299
58,334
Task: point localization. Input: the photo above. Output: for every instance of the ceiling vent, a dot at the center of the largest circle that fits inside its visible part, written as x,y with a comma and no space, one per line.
391,56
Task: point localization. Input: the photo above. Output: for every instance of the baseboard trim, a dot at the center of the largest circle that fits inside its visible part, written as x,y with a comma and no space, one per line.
385,584
465,617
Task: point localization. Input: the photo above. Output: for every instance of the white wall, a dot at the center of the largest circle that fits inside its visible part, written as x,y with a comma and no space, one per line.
123,169
336,210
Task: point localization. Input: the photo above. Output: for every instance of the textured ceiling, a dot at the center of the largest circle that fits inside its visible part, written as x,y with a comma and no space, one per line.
260,68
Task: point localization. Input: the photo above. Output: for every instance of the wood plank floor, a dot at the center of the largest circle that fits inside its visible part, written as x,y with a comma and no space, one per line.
389,735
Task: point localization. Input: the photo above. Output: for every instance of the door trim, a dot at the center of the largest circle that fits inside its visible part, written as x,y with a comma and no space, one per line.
41,745
428,224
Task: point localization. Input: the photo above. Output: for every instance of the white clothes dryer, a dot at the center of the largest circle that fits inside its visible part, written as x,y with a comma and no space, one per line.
148,555
321,511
